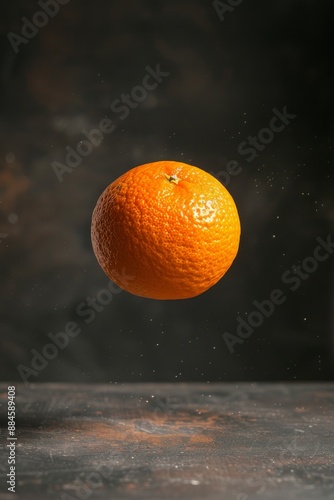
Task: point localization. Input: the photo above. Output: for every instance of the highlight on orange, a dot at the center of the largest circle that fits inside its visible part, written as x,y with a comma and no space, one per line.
165,230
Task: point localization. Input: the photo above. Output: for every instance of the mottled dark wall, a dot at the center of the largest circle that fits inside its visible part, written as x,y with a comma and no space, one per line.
225,78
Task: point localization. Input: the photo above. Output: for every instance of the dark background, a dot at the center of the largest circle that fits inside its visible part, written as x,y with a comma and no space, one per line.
225,79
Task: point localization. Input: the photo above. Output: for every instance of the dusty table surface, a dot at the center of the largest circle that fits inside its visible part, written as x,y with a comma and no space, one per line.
173,441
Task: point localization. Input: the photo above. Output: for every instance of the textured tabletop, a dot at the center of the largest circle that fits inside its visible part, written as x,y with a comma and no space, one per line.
174,441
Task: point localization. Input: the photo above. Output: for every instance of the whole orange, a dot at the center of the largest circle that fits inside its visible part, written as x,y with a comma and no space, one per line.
165,230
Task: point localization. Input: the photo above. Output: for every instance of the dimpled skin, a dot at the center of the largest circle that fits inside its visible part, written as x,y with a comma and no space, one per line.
165,230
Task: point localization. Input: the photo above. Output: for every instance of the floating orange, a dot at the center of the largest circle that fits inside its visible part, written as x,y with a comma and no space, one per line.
165,230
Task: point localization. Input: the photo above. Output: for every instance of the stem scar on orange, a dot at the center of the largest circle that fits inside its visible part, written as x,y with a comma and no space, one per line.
165,230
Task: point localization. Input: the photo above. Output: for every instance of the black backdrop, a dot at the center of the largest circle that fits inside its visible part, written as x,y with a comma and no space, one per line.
228,68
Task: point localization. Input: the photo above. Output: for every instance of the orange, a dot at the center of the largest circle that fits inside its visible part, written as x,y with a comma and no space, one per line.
165,230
